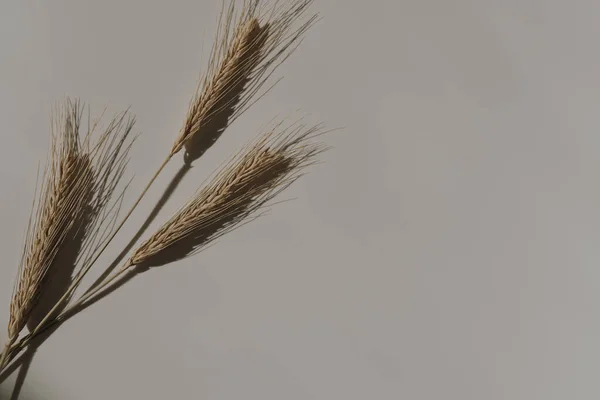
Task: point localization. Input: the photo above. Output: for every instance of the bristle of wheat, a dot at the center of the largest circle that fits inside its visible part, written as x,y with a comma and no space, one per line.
242,60
253,178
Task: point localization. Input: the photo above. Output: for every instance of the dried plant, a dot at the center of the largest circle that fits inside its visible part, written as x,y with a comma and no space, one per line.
248,47
64,200
241,188
74,206
76,213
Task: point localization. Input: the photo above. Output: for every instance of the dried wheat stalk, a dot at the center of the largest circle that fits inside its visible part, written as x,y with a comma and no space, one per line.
241,188
64,199
77,196
75,204
247,48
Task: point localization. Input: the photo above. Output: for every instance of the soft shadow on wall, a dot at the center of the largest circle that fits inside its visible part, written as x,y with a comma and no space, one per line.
5,394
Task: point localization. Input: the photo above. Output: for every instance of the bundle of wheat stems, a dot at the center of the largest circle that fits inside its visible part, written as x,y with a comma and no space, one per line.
76,210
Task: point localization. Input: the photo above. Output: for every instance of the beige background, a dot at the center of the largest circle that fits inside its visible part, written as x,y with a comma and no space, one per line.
448,248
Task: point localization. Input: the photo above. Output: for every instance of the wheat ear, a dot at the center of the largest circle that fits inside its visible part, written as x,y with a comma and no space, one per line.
68,182
73,214
249,45
242,187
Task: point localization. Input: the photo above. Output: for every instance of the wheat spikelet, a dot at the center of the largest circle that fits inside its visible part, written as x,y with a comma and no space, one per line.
250,180
72,214
247,48
108,152
68,185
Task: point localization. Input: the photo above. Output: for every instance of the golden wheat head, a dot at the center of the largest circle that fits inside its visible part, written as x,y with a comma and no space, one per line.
249,45
240,189
77,185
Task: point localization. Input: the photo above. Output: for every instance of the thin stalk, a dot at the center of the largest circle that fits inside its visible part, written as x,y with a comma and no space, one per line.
4,357
98,288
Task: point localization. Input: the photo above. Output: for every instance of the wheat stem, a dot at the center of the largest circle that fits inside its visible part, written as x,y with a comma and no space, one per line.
4,358
83,299
16,348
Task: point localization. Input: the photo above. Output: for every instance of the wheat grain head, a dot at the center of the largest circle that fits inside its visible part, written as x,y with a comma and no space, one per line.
77,186
257,174
248,47
67,184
